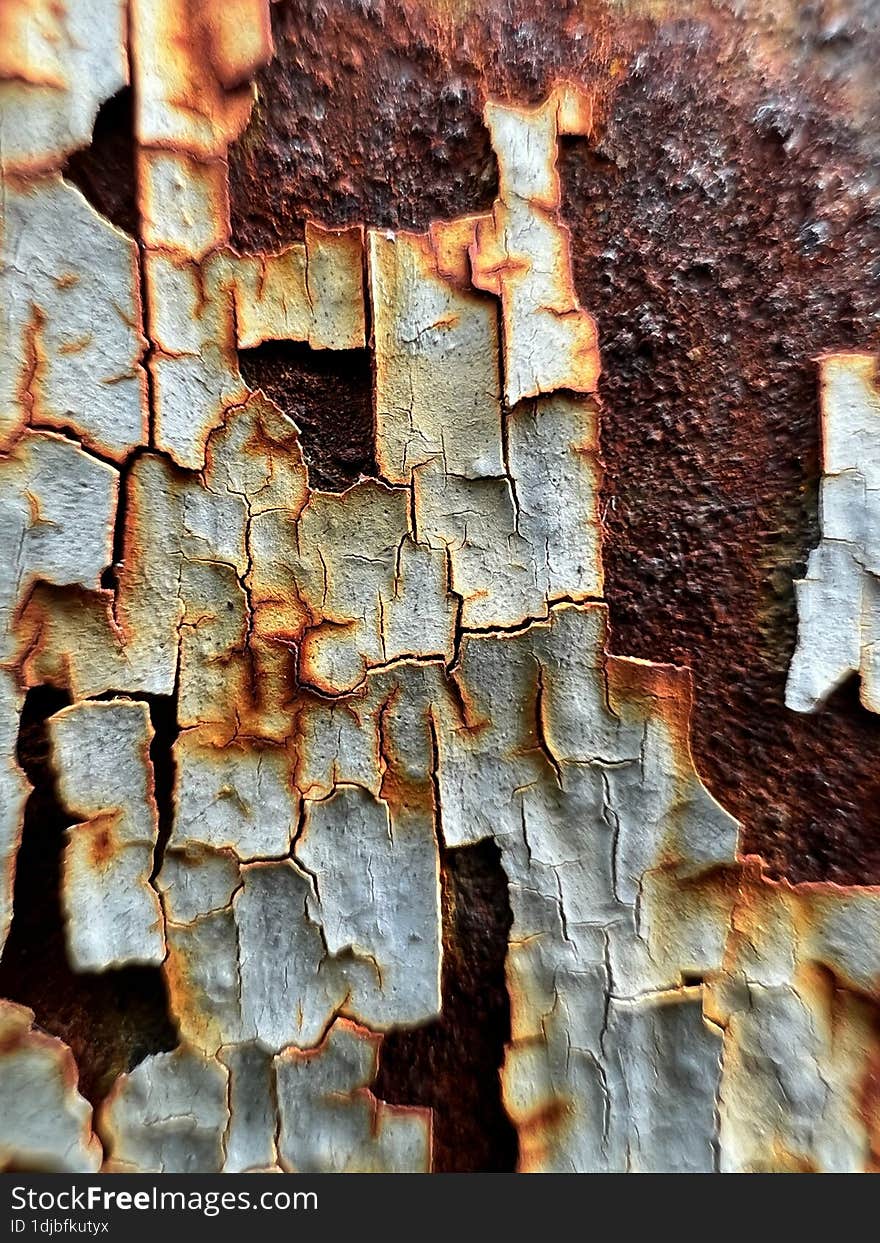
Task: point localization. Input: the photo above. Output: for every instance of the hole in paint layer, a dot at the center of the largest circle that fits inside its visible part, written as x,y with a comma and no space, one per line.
104,171
453,1064
328,394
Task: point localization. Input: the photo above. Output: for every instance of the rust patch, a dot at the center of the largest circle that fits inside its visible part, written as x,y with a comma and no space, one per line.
723,232
328,395
722,248
102,839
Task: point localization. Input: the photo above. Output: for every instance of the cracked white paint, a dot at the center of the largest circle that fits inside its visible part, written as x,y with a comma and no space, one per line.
330,1124
14,789
192,65
800,965
310,292
62,536
196,882
578,765
360,850
105,779
123,640
167,1116
521,252
234,798
839,598
354,550
290,987
194,367
71,343
183,1112
249,1145
360,678
437,377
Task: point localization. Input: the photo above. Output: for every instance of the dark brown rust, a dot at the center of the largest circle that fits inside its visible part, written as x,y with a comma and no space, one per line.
104,171
724,238
373,113
328,395
356,119
110,1020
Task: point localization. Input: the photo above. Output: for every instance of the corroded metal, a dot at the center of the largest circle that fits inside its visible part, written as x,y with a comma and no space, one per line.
367,680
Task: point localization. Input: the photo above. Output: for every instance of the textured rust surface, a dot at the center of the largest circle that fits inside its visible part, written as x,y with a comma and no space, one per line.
722,248
373,114
357,118
328,395
452,1065
725,221
725,230
110,1020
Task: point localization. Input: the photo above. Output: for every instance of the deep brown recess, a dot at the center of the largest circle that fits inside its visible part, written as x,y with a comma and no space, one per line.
453,1064
328,395
104,171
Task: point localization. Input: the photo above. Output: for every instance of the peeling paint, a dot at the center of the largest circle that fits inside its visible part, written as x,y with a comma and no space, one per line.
101,753
838,599
58,63
366,680
46,1124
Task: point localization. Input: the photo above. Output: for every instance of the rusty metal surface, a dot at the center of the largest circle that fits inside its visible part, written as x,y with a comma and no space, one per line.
766,203
440,387
725,231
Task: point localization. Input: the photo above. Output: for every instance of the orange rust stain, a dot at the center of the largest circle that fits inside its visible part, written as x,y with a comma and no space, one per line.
19,53
101,837
784,1161
293,1054
77,346
238,34
869,1103
664,691
451,241
406,793
33,365
186,1000
539,1132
